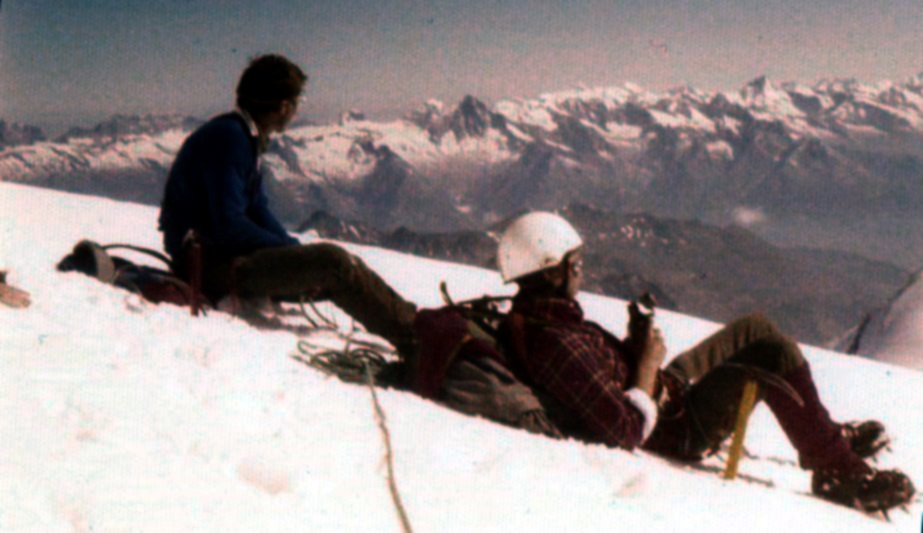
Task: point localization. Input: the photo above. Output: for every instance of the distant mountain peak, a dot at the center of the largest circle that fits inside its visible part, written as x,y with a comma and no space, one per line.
119,125
16,134
471,118
760,83
353,115
915,82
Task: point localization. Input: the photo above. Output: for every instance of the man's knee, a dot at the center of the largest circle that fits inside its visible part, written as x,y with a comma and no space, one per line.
295,269
773,353
756,324
777,351
329,255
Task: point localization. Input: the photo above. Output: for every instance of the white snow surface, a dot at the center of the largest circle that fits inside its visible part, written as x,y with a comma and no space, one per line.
894,334
120,415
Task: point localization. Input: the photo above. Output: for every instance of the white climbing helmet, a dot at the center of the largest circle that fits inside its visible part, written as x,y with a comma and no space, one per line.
534,242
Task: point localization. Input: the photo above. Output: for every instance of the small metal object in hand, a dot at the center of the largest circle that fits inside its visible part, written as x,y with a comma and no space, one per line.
647,302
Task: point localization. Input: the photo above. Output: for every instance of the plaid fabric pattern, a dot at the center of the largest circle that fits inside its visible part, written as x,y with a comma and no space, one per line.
580,366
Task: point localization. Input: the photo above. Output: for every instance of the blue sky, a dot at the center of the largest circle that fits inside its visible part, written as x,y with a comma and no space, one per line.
71,62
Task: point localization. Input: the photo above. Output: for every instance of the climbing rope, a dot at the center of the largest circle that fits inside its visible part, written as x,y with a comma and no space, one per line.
389,454
357,365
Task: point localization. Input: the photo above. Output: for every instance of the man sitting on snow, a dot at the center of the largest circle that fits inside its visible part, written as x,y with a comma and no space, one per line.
214,191
613,391
215,187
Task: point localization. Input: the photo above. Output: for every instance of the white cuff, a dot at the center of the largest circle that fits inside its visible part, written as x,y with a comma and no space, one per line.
644,403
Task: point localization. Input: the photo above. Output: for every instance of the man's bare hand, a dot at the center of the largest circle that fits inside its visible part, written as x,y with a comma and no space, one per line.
655,351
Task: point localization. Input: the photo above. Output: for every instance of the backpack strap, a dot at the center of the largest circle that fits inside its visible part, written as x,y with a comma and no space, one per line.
147,251
193,248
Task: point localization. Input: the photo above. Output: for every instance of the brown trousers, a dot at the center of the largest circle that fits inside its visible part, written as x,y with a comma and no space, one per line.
704,415
322,271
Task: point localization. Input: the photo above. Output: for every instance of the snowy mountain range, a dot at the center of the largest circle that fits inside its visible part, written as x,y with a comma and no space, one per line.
117,414
835,147
784,152
125,125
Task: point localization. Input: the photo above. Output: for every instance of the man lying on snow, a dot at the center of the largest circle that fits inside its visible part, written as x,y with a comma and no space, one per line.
614,391
551,371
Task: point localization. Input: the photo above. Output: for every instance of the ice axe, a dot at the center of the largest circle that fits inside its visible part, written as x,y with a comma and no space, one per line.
755,377
747,400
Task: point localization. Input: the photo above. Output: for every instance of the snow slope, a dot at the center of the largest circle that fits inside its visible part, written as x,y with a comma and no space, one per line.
893,334
119,415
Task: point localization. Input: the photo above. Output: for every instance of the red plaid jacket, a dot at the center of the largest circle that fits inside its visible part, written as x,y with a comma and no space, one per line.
583,367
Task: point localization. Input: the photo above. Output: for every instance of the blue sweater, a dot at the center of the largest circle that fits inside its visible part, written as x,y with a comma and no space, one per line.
215,187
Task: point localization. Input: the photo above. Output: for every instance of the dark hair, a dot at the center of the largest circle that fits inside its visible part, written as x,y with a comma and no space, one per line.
268,81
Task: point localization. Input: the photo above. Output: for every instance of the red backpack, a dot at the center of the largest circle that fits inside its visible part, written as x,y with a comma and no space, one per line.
460,362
